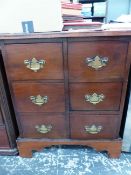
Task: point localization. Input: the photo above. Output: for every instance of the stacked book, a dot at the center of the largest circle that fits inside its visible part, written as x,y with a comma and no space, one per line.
71,8
72,18
82,25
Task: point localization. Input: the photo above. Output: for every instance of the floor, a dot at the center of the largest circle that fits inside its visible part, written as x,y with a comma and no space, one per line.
66,161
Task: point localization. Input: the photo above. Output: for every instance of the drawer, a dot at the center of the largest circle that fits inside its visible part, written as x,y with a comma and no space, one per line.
43,125
99,60
95,96
94,126
38,97
43,61
3,137
1,119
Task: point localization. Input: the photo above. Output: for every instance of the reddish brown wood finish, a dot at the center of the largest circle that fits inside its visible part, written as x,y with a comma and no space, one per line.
50,52
1,120
111,91
25,146
66,79
109,124
7,129
79,71
4,143
29,121
68,34
54,91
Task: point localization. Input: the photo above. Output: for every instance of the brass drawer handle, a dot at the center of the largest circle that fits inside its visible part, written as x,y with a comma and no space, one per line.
97,62
39,100
94,98
93,129
43,128
34,64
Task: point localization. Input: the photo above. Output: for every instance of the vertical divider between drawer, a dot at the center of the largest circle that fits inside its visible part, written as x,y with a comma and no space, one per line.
66,83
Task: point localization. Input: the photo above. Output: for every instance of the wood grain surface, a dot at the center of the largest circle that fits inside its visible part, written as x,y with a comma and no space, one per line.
111,91
109,124
79,71
54,92
50,52
30,121
4,142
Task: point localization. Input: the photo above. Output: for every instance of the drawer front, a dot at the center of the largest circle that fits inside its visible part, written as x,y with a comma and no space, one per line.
94,126
95,96
99,60
38,97
3,137
43,126
1,119
34,61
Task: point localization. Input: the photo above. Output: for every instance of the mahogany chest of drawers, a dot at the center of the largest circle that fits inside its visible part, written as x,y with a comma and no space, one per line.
68,88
